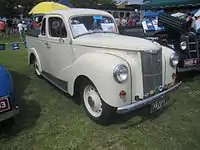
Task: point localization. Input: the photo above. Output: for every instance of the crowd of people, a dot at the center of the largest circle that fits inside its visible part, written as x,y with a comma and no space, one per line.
14,27
193,23
127,21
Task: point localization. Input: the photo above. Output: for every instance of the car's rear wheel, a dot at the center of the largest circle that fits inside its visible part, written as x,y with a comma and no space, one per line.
36,68
95,107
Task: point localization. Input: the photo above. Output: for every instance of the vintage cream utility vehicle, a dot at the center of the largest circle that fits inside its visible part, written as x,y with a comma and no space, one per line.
81,52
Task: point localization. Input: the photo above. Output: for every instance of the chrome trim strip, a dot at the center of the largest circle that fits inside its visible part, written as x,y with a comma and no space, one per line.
54,83
144,102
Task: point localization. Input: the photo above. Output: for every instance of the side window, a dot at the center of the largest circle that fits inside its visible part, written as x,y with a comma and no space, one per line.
57,27
43,29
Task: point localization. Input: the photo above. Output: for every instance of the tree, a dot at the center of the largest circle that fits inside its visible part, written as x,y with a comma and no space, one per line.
89,3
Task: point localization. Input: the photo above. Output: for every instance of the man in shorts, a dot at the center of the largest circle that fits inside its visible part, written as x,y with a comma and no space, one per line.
20,29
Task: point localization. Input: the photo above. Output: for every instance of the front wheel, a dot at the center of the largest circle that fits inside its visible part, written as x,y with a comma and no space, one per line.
95,107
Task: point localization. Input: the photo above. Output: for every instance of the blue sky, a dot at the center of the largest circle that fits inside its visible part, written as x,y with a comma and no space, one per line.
133,1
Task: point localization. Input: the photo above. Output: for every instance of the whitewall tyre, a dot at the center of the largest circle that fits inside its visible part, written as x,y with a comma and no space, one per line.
95,107
36,68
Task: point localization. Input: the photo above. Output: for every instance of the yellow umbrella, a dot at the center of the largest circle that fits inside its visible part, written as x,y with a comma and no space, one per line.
45,7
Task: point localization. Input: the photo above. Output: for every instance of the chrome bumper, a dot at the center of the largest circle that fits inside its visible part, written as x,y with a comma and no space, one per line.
8,114
144,102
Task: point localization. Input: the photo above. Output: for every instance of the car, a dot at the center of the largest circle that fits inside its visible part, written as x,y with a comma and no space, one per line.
81,52
184,40
8,104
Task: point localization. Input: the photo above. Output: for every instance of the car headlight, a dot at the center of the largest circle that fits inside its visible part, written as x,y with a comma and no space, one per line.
120,73
174,59
183,45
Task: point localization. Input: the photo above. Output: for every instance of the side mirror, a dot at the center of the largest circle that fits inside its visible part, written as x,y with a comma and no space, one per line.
61,40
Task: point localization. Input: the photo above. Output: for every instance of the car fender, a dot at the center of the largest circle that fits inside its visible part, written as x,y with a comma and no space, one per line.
99,67
33,51
169,70
6,82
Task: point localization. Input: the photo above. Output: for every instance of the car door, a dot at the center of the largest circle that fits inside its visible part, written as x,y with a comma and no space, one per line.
59,45
43,49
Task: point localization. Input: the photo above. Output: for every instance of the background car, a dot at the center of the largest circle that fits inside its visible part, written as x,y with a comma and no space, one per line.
8,104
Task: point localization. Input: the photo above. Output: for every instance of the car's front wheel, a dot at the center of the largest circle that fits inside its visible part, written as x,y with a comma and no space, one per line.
95,107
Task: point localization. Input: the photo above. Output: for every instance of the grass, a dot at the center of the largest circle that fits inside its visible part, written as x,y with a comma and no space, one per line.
51,120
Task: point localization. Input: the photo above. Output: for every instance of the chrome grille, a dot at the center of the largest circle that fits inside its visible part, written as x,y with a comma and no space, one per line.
151,70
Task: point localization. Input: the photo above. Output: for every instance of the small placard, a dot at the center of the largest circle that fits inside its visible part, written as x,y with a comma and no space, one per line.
2,47
15,45
79,29
108,27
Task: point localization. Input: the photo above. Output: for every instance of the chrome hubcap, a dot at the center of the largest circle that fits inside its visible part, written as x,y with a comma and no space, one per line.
92,101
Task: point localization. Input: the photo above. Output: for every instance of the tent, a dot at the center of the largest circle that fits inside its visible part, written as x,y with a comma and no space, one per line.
45,7
150,13
169,3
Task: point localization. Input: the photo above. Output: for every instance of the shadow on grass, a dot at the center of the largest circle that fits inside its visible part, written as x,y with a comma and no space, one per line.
143,113
187,76
29,109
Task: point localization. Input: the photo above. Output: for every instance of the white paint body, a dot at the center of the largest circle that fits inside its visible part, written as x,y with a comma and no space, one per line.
95,56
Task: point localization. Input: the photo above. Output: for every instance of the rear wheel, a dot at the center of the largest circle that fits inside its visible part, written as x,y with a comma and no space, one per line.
36,68
96,108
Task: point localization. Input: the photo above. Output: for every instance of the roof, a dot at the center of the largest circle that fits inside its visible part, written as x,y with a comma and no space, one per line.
170,3
78,11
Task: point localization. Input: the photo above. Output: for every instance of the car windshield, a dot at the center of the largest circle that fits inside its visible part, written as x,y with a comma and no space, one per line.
83,25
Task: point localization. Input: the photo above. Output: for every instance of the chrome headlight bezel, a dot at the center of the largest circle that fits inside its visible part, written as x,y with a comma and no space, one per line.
183,45
120,73
174,59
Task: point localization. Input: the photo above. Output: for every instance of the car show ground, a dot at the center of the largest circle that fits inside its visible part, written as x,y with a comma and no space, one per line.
49,119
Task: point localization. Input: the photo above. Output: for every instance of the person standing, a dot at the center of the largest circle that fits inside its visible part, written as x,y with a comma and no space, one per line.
20,29
197,25
9,23
2,28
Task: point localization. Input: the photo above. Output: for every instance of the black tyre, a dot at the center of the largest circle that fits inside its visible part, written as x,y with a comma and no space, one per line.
96,108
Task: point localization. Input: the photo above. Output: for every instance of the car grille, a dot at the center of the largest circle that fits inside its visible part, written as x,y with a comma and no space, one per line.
152,70
193,47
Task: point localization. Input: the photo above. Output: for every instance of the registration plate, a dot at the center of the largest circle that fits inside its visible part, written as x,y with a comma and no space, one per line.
158,105
190,62
4,104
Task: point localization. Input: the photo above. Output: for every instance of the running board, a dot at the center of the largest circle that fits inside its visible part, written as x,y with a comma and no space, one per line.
62,85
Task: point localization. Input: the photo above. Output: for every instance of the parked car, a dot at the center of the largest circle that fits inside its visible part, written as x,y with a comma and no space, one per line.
184,40
81,52
8,104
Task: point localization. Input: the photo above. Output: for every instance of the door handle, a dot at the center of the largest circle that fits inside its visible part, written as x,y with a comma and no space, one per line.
47,44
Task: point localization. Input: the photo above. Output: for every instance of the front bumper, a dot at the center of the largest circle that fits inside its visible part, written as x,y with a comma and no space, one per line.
144,102
9,114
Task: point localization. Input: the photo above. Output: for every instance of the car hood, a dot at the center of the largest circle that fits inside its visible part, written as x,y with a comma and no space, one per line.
116,41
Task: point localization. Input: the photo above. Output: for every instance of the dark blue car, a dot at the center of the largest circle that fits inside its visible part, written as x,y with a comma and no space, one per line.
8,105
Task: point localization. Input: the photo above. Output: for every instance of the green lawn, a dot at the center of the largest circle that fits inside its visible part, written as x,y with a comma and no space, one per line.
51,120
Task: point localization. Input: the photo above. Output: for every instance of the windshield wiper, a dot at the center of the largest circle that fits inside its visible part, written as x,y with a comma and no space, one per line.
84,34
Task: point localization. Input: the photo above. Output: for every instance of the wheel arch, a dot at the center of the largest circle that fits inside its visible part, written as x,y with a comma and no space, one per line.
102,78
33,55
78,82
